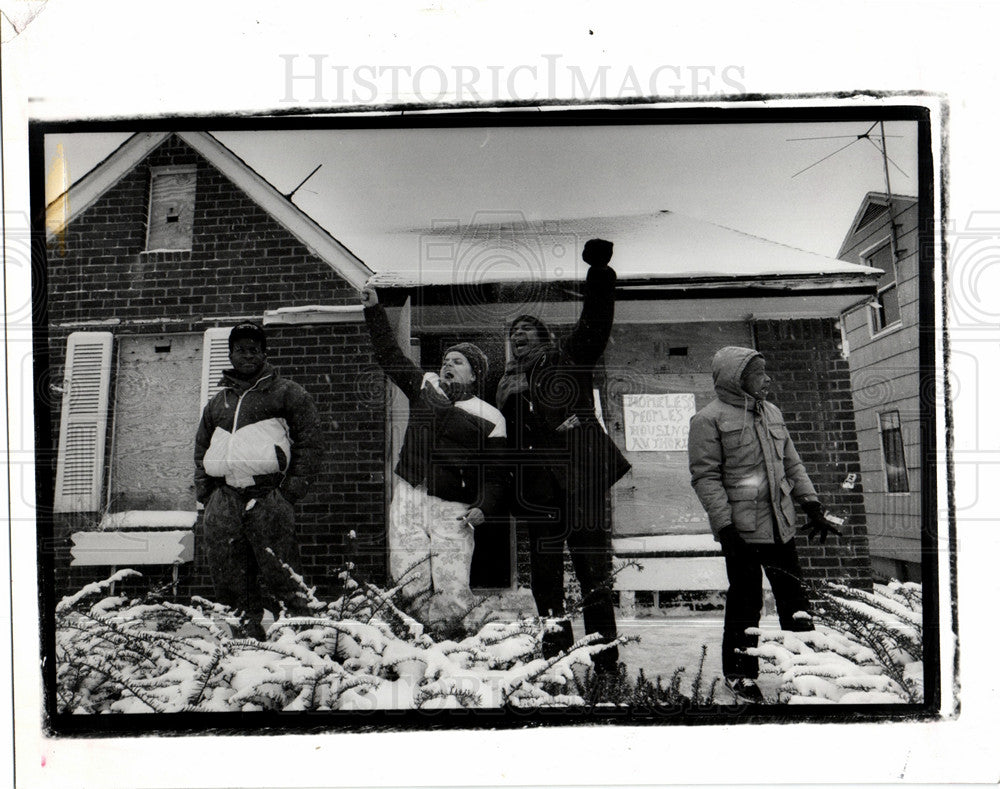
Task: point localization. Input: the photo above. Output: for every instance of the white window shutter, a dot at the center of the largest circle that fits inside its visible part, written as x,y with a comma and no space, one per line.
83,426
215,359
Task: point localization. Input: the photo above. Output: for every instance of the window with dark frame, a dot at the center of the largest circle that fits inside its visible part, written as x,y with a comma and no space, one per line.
892,453
885,310
171,208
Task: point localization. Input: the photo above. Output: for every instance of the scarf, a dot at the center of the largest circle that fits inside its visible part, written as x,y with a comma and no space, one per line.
515,374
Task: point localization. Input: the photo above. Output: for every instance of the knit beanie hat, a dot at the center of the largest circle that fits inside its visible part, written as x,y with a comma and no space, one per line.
475,357
250,331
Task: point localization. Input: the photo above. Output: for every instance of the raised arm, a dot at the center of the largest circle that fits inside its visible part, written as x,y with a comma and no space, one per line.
397,365
589,337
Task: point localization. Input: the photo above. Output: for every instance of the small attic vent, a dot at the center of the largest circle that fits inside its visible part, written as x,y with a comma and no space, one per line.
871,213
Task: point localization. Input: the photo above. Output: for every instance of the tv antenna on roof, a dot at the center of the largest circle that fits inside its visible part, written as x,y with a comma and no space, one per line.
302,183
886,160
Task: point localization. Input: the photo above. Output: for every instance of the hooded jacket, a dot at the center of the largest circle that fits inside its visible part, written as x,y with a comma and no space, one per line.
451,446
560,383
261,433
744,466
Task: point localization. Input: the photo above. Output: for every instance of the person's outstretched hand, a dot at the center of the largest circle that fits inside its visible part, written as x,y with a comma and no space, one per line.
817,524
597,252
369,298
472,517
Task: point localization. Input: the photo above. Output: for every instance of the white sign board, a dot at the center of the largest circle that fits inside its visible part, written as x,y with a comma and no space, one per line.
657,422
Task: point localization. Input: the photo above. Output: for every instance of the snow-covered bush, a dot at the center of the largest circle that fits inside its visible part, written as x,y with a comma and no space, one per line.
867,648
359,652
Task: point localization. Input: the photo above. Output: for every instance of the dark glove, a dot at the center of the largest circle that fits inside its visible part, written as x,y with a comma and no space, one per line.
289,493
597,252
817,523
731,541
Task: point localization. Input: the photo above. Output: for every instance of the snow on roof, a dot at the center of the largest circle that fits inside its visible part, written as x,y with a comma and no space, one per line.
659,247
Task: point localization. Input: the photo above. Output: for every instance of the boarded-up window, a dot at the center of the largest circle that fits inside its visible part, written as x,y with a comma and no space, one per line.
83,423
885,311
171,208
892,453
157,409
665,363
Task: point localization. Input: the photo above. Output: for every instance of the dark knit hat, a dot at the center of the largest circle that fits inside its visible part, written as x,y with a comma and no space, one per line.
474,356
250,331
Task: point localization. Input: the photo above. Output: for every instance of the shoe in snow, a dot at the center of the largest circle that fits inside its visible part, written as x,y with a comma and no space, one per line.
745,689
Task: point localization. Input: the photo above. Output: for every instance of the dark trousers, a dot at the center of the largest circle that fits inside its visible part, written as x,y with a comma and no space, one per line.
242,568
744,599
579,522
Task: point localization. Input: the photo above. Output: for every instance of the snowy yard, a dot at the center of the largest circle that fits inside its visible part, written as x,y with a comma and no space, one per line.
361,653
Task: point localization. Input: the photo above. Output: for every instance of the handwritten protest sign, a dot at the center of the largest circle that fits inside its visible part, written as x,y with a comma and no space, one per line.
657,422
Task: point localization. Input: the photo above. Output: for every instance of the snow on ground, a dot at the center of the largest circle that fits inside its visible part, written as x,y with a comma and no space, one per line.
675,640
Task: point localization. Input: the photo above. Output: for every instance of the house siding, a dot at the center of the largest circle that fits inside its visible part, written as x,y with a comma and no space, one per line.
885,374
242,263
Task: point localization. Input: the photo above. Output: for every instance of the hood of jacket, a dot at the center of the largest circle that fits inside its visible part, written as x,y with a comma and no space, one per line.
728,365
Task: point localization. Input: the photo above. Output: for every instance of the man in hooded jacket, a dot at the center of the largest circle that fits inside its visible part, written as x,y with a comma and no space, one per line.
747,473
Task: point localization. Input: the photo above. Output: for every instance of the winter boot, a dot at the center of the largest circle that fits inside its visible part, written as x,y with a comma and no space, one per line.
745,690
802,622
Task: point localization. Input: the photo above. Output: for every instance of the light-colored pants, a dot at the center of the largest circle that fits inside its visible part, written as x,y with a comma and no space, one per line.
429,546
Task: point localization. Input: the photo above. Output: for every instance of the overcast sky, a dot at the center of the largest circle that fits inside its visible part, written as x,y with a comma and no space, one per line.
741,176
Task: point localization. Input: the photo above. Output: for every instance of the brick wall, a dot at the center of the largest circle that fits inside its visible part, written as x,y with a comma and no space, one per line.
812,386
241,263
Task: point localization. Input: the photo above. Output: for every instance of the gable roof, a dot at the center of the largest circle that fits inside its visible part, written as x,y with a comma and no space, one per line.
864,215
86,191
661,247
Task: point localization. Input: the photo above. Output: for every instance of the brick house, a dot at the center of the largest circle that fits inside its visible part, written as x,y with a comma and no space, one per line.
685,289
173,239
164,246
882,335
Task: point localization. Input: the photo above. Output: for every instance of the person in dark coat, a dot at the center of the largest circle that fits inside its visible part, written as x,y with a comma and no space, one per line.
747,473
258,446
444,486
564,462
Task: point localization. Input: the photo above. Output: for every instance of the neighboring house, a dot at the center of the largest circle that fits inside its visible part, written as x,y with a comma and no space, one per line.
685,289
166,245
882,336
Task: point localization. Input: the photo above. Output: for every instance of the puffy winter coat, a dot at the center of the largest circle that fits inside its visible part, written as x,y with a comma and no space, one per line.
451,447
264,432
744,466
561,384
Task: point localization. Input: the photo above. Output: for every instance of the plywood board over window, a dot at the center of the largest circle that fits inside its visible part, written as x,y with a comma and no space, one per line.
655,497
171,208
157,410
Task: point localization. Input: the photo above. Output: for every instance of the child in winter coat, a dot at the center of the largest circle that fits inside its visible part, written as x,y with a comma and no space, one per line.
444,487
746,473
258,446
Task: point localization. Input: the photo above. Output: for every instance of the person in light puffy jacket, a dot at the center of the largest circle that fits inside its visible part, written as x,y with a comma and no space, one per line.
258,446
446,483
747,475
